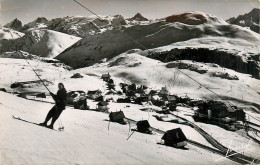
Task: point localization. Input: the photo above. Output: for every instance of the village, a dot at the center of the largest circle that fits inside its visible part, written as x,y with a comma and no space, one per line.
219,113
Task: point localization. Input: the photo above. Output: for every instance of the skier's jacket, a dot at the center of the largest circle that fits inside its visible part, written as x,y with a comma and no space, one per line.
60,98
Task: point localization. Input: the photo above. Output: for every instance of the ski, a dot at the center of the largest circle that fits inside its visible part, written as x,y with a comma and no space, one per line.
18,118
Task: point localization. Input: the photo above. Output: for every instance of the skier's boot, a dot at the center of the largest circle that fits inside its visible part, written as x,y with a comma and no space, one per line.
43,124
50,126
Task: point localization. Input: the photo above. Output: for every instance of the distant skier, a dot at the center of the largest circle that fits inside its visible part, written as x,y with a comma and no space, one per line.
60,104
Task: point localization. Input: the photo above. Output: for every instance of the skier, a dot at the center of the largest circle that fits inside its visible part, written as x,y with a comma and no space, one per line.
60,104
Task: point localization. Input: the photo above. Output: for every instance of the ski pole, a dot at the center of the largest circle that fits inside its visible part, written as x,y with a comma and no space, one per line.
36,73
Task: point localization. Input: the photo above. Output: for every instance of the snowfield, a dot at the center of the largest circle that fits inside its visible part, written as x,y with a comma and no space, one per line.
86,140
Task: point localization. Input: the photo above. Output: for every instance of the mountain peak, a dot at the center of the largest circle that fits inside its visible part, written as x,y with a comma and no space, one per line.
250,19
139,17
255,11
16,24
41,20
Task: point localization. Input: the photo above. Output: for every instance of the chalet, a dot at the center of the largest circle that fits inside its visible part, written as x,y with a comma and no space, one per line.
151,94
172,102
143,126
74,95
141,99
164,93
237,115
130,93
213,110
80,103
124,100
40,95
76,75
94,94
175,137
106,77
102,106
3,89
111,84
117,117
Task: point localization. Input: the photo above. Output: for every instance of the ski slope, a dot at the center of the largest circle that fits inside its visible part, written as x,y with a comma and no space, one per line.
86,140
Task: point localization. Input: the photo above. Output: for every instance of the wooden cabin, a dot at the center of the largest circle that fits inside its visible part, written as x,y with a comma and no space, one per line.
102,106
106,77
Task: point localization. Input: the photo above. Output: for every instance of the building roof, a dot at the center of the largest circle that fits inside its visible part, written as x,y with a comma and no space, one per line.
106,75
94,92
174,136
102,103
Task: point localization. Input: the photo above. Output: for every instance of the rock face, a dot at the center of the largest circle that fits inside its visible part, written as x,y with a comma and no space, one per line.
250,20
224,59
138,17
15,25
39,23
194,18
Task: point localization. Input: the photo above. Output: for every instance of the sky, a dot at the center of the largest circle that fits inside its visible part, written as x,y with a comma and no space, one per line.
28,10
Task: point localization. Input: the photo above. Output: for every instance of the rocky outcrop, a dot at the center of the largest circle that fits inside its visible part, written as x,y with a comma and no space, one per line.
250,20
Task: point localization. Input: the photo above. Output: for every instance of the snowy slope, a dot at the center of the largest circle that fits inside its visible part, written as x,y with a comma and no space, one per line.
85,140
24,143
93,49
135,68
44,43
9,34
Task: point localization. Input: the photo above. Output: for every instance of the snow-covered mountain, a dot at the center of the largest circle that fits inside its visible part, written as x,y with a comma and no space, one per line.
176,28
44,43
250,20
84,26
39,23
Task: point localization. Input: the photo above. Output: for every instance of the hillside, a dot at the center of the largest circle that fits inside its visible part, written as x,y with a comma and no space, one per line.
240,89
9,34
44,43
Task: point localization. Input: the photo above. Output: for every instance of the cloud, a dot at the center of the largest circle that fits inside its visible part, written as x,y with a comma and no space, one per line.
11,8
